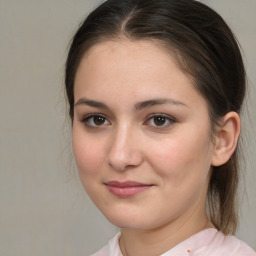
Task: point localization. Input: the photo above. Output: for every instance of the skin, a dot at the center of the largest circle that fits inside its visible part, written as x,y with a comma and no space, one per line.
117,137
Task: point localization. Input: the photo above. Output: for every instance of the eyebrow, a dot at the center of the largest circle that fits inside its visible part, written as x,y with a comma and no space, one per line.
138,106
161,101
91,103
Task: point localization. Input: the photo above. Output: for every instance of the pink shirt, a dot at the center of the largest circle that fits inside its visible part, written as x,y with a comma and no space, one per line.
208,242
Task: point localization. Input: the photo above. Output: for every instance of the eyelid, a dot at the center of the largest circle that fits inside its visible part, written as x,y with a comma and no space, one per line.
168,117
85,119
169,120
161,114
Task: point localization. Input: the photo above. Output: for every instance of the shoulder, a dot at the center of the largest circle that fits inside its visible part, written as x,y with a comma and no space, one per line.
111,249
237,247
229,245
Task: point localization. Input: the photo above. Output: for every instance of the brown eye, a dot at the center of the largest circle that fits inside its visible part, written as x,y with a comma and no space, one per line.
159,120
99,120
95,121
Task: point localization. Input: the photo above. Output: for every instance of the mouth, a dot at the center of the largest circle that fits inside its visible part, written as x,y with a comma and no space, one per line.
126,189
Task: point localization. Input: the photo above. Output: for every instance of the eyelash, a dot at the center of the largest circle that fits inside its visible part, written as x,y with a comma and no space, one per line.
165,118
86,120
170,120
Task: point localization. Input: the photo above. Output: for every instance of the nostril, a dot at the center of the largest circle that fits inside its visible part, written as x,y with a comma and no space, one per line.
121,161
124,151
117,165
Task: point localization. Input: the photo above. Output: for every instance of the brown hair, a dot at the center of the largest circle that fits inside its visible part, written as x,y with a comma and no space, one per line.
205,48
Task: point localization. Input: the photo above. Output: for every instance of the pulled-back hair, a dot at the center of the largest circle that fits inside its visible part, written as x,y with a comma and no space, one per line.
204,47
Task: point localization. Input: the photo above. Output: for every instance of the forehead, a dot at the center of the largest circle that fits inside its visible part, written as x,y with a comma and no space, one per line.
136,69
130,57
122,45
132,50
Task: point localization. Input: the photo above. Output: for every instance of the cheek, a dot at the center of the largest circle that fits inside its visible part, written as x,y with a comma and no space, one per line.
88,154
183,156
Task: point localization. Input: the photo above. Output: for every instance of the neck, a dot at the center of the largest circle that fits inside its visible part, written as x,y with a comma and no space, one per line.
157,241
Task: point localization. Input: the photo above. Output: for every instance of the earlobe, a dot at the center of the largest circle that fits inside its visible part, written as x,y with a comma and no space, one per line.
226,138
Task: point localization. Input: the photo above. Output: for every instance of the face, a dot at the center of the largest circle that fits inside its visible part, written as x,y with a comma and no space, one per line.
141,135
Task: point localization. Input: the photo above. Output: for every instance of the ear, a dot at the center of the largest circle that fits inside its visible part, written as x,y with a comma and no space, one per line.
226,138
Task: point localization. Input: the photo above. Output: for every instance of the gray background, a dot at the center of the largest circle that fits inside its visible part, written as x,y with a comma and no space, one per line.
43,208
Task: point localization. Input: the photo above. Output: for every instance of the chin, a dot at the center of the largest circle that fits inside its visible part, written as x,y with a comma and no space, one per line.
130,224
132,221
126,219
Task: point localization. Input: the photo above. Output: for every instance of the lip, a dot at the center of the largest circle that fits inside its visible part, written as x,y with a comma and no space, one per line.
126,189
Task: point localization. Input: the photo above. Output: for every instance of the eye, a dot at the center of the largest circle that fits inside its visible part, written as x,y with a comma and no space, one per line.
160,121
95,120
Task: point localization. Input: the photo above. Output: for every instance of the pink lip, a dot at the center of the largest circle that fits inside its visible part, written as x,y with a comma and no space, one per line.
127,188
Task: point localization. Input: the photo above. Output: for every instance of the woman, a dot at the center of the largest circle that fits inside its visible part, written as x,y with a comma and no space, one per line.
155,89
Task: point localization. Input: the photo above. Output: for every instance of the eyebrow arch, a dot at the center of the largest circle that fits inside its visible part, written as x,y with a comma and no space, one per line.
161,101
138,106
91,103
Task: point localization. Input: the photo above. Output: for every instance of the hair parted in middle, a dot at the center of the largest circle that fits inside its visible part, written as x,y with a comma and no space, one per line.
204,48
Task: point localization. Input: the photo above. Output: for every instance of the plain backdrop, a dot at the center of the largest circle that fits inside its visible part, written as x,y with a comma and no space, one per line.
43,208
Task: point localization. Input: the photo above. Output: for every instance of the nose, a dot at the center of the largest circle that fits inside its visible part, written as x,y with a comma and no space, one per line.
124,152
